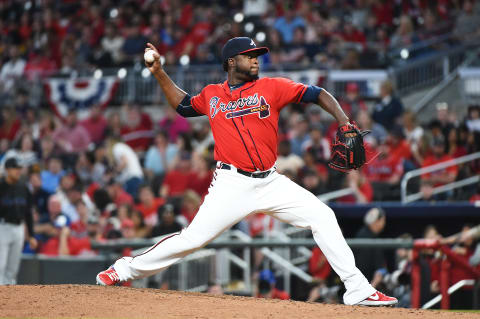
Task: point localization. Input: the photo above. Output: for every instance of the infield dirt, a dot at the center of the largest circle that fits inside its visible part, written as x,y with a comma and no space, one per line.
84,301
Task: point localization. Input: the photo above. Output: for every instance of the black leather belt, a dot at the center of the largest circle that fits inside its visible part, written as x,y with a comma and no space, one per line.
249,174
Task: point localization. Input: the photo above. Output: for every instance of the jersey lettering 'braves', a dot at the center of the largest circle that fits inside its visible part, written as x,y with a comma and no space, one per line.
242,120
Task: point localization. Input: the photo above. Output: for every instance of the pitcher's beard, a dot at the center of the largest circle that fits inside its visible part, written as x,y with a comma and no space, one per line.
250,76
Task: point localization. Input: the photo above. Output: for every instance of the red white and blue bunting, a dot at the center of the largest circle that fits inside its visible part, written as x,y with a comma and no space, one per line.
79,94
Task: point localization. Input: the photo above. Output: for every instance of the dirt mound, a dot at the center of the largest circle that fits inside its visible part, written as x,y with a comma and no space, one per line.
83,301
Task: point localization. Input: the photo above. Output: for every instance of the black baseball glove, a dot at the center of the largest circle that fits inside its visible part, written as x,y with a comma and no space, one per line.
348,151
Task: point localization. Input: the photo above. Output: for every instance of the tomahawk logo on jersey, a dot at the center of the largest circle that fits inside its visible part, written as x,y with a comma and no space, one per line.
242,119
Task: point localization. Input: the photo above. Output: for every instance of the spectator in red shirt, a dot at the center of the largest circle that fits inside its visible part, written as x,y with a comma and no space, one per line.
361,187
456,147
383,11
138,130
72,138
352,103
318,265
399,149
439,177
352,34
149,205
190,204
79,229
95,124
320,269
10,124
177,181
201,175
66,245
385,172
258,225
39,65
266,287
118,195
476,197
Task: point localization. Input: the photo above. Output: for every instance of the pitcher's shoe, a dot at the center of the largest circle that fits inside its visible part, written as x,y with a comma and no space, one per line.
108,277
378,299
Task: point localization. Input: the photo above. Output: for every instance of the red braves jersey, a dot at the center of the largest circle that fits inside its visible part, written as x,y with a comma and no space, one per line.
244,122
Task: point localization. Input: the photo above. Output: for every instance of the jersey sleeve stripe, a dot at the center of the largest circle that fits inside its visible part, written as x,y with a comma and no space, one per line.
194,107
300,95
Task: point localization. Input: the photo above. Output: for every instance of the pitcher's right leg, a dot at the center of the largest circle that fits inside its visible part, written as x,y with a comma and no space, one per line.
221,209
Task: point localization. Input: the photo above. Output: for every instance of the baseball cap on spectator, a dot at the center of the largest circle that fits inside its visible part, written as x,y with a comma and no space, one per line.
373,215
62,221
12,162
268,276
351,87
442,106
240,45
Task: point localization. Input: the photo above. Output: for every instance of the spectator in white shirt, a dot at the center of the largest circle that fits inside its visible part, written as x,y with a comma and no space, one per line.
127,165
12,70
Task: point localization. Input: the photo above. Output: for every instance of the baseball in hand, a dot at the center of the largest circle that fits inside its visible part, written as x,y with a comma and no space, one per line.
149,57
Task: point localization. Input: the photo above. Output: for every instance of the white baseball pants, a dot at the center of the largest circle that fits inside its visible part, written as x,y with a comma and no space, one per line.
231,198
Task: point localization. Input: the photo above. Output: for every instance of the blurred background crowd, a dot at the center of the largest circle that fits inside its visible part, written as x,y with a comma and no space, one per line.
125,165
123,169
125,172
44,37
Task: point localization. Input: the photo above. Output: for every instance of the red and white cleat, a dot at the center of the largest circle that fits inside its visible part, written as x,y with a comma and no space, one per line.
378,299
108,277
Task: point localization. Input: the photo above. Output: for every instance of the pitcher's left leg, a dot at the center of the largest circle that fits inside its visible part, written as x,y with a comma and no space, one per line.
293,204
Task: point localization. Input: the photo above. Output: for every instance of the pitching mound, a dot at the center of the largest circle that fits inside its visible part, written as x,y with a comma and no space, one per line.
82,301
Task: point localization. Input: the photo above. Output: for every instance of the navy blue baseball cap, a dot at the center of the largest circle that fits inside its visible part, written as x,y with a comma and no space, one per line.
240,45
12,162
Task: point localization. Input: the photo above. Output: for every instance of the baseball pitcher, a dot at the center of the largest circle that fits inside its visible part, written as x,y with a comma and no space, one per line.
243,114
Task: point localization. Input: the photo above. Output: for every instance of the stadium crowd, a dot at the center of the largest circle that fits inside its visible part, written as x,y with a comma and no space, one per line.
50,36
120,169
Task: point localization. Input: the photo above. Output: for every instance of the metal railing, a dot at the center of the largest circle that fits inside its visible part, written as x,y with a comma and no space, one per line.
427,71
278,251
326,197
368,81
423,47
450,259
193,273
451,290
439,189
115,244
427,98
470,81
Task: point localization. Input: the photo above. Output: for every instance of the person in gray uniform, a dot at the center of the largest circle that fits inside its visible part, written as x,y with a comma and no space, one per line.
15,210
